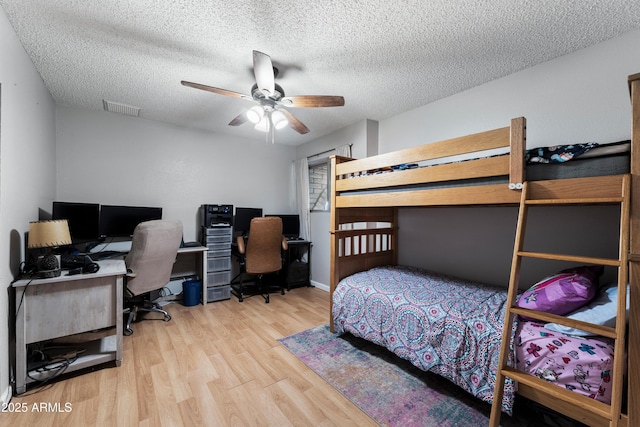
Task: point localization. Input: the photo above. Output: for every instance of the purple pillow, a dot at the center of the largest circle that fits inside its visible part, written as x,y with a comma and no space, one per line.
563,292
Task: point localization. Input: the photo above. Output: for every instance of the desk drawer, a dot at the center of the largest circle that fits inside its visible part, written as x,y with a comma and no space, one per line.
52,310
217,247
219,253
219,264
219,278
218,231
218,238
218,293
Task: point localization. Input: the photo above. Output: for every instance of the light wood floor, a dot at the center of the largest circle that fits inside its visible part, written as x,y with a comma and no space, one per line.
214,365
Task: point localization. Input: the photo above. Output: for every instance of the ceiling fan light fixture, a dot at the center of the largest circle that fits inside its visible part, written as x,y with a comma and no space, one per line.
279,120
255,114
262,125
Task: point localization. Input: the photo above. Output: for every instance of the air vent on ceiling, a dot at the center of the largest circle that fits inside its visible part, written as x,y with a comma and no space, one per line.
116,107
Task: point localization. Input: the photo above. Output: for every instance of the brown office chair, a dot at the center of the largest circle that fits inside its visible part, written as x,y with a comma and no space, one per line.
154,248
261,255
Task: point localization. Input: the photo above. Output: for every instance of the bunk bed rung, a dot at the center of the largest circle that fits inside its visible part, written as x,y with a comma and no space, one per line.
603,331
579,201
363,231
575,258
584,406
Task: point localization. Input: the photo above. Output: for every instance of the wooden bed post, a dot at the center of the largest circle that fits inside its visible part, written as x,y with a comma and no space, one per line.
633,350
334,225
518,146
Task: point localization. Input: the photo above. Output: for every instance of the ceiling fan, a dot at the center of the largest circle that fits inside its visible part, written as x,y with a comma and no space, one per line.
270,113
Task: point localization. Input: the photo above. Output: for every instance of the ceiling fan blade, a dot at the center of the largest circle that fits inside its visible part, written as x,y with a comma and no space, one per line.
238,120
309,101
216,90
295,124
263,70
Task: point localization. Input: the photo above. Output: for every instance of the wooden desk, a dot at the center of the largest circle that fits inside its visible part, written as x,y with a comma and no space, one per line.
62,308
296,272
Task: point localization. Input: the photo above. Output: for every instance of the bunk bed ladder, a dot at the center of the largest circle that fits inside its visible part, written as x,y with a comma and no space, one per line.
581,191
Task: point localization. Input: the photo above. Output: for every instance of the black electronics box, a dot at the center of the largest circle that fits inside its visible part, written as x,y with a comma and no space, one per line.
215,215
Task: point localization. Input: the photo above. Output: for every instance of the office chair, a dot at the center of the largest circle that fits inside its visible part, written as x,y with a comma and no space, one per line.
154,248
261,255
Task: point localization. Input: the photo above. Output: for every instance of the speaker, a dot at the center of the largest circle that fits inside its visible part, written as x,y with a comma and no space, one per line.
213,215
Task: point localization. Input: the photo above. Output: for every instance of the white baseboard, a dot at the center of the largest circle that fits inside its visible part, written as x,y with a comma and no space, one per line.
321,286
5,398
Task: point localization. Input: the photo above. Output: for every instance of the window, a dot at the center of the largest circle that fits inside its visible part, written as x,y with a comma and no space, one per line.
319,185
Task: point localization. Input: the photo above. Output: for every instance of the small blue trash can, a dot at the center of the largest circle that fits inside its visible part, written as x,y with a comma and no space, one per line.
191,292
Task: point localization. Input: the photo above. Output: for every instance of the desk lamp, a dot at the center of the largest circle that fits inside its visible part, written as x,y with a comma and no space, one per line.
48,235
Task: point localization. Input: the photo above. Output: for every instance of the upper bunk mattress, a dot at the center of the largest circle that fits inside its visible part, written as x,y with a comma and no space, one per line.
588,160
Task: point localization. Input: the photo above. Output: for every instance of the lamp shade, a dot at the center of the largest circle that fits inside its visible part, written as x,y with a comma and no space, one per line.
48,234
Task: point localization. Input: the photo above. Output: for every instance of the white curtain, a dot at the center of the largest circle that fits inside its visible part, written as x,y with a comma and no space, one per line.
344,150
302,196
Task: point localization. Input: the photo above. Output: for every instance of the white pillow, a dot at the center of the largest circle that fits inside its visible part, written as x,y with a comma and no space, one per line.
600,311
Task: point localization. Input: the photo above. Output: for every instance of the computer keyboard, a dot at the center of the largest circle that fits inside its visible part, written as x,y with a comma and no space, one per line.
106,255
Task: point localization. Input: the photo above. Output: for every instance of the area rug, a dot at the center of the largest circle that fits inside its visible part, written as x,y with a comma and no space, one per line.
387,388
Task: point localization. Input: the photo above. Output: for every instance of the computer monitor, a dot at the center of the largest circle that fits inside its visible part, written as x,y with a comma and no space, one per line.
290,225
120,221
242,220
83,219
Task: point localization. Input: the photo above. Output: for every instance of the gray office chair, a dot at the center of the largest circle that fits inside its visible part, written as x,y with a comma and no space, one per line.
261,255
149,262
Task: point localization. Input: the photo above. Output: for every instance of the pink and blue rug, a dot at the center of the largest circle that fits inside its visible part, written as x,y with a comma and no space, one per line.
390,389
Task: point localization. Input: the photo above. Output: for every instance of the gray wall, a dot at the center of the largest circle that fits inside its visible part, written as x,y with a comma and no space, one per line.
27,167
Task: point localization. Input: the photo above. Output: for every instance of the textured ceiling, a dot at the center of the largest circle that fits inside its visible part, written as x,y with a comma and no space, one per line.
385,57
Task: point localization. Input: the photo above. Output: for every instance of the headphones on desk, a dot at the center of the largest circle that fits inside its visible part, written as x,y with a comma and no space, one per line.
90,266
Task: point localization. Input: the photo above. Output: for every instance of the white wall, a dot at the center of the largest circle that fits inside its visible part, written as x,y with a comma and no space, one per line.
580,97
575,98
114,159
27,167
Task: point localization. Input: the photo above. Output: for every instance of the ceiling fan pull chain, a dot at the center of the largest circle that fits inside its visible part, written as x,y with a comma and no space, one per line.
271,129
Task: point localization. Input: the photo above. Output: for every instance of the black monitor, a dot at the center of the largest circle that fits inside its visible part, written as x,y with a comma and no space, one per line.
120,221
83,219
290,225
242,220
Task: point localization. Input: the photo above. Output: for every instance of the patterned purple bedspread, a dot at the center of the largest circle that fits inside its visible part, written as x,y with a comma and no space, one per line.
441,324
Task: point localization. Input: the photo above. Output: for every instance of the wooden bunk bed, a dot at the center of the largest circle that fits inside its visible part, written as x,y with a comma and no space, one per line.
365,198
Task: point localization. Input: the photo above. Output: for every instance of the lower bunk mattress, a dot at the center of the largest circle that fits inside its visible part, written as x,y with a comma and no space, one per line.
453,327
448,326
